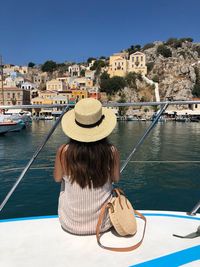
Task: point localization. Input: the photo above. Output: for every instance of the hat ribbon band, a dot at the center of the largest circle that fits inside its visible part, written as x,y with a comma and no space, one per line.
90,125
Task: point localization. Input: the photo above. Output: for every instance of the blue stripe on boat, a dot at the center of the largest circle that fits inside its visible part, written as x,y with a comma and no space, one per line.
175,259
29,218
145,214
172,215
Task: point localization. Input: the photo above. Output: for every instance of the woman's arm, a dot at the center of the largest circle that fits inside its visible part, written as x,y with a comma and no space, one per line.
58,169
116,167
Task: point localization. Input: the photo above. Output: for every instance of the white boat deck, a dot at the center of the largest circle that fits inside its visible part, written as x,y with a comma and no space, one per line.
40,242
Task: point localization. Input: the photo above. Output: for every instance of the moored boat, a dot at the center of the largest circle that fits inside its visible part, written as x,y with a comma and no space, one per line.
11,126
19,114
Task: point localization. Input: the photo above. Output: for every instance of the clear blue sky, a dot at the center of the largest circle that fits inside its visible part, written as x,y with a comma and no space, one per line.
62,30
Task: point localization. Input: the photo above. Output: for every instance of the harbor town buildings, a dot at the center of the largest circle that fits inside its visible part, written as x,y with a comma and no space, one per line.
23,85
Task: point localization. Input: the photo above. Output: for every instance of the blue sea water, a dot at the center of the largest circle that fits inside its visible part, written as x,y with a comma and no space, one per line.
164,173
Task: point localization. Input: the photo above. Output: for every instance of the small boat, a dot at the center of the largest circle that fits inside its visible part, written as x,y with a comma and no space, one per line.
16,115
194,119
182,119
131,118
11,126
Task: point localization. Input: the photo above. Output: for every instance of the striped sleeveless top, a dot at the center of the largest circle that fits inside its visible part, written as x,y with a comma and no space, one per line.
78,209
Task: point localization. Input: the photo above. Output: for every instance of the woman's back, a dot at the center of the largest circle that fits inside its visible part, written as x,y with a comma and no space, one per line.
79,208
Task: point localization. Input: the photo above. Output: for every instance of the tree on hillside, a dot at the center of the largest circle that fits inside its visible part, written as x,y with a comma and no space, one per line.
196,90
112,85
148,45
104,76
133,48
175,42
82,73
130,79
31,64
98,64
164,51
49,66
89,60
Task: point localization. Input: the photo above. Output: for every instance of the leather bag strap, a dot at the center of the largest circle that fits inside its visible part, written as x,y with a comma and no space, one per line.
98,229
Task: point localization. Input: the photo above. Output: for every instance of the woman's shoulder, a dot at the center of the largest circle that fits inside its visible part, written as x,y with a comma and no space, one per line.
62,149
114,150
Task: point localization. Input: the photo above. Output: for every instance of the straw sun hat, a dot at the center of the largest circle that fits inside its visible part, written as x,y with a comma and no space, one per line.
88,121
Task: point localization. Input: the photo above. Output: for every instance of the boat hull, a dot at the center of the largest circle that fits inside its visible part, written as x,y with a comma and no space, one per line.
6,127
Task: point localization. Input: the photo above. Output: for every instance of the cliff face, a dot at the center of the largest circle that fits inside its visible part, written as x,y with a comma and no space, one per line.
176,75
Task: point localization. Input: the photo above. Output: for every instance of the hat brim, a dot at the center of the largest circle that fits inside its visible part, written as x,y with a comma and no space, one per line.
78,133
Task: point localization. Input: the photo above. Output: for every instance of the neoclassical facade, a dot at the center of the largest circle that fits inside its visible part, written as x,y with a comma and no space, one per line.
120,64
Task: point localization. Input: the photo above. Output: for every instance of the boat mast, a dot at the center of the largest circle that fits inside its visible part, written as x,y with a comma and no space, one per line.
1,69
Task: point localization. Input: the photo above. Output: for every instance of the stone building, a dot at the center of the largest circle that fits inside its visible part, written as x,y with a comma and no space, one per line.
15,96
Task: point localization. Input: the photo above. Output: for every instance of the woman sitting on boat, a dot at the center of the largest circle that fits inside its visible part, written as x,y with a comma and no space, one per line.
87,166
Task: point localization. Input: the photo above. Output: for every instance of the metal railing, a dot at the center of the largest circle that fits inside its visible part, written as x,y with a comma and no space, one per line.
109,104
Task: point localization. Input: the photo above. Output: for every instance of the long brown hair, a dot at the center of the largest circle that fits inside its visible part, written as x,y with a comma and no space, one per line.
89,164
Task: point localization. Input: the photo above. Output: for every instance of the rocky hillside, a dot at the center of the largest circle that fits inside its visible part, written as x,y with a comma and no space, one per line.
175,65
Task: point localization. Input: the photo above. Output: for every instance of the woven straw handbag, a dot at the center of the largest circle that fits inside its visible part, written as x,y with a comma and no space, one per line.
122,216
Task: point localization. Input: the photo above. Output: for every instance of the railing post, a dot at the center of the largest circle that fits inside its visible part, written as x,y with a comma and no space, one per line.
194,210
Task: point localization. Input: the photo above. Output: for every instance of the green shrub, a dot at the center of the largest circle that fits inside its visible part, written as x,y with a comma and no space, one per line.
164,51
187,39
196,90
147,46
155,78
174,42
150,66
171,41
111,85
198,50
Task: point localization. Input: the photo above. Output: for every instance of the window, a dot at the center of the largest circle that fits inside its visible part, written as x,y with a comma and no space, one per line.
132,59
8,95
141,58
18,95
196,105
